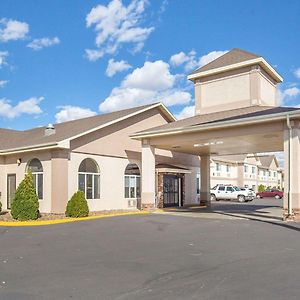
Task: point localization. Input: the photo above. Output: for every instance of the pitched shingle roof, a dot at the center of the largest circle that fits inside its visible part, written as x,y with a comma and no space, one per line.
11,139
227,115
266,160
232,57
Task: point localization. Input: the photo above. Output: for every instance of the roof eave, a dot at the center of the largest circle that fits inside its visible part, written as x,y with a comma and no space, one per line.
217,124
39,147
260,60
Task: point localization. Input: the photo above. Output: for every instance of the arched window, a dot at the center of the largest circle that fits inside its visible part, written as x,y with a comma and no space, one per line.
132,181
36,168
89,179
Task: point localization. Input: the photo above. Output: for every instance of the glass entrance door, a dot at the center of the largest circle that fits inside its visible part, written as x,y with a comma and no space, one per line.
172,190
11,188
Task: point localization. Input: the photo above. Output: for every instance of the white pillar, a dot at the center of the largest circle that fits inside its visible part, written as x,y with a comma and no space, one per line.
148,176
205,180
291,172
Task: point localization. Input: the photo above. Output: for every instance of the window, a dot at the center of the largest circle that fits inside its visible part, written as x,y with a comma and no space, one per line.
89,179
246,169
36,168
218,167
253,170
198,183
132,179
227,168
229,189
221,188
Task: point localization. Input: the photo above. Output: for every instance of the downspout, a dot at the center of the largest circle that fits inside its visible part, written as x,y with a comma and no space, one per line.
290,209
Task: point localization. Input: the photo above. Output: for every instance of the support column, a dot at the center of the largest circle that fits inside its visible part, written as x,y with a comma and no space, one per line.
148,176
59,189
291,172
205,181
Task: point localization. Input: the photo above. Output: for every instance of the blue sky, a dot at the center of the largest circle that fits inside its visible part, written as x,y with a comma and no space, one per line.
61,60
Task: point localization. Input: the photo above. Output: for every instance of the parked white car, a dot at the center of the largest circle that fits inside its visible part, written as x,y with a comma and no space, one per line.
229,192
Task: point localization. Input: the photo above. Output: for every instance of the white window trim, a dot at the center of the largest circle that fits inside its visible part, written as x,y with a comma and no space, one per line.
135,187
93,182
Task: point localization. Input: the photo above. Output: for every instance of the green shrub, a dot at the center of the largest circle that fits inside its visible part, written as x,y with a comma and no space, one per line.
0,206
261,188
77,206
25,205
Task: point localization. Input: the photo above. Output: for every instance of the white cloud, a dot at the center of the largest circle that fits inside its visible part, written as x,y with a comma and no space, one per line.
190,60
114,67
3,57
38,44
151,83
93,55
152,76
179,59
297,73
188,111
116,24
29,106
3,83
287,94
12,30
69,113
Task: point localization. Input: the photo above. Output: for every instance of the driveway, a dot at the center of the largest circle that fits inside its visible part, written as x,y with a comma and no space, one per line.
266,209
151,257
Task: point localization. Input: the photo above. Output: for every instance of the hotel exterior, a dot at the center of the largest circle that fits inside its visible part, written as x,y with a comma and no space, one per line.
143,158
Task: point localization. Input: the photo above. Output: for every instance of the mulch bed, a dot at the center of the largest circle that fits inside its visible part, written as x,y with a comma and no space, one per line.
6,216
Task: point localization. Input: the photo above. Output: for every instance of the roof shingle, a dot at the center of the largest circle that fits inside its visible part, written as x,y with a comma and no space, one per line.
232,57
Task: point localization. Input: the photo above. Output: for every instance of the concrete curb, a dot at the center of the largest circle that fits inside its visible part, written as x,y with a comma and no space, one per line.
69,220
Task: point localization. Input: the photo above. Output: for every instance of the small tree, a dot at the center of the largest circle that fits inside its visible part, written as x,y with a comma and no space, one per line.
25,205
261,188
77,206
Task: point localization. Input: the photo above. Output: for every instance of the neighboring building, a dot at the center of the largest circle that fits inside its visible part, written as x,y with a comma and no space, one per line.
246,171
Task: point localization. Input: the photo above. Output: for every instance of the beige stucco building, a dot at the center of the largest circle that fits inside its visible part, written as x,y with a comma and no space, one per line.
95,155
143,158
237,113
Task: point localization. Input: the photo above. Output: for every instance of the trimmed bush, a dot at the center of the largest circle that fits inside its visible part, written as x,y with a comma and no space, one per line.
25,205
77,206
261,188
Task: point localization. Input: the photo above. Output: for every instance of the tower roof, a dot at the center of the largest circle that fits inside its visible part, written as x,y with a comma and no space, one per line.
234,59
231,57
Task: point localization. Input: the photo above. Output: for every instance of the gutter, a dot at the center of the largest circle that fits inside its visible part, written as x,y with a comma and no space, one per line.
290,208
31,148
216,125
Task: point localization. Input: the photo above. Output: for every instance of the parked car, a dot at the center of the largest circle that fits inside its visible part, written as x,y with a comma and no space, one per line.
274,193
250,191
229,192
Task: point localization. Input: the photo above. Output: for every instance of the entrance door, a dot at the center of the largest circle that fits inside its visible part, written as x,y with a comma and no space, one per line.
172,190
11,188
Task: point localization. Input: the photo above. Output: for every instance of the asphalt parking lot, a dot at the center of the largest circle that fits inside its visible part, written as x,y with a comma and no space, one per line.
151,257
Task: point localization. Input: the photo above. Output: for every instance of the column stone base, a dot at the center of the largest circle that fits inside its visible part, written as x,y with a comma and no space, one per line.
147,206
204,201
294,217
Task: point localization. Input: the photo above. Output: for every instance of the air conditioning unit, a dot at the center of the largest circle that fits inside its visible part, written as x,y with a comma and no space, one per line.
132,203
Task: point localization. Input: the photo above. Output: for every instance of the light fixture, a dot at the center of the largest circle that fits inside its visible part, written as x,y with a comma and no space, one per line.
209,144
19,160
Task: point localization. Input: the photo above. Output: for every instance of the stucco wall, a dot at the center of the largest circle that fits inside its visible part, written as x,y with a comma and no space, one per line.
10,167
